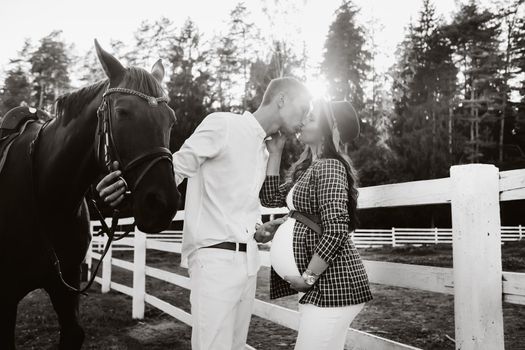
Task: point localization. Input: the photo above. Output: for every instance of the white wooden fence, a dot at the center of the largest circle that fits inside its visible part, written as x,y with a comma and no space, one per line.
362,238
476,280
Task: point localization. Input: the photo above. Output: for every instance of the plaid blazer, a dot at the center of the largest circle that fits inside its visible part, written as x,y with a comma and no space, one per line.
322,190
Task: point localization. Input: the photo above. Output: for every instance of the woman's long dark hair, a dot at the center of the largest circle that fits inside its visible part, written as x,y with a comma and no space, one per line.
329,151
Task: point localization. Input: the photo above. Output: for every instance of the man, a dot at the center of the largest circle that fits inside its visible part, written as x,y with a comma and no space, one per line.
225,163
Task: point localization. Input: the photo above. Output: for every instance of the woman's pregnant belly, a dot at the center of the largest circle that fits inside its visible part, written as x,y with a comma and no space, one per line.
281,251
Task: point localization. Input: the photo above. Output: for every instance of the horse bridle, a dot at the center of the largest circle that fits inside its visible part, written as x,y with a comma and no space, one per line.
106,152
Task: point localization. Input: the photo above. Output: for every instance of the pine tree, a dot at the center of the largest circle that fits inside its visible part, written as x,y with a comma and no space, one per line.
227,68
16,90
518,59
346,61
423,90
190,84
474,35
49,69
245,35
515,132
152,40
372,154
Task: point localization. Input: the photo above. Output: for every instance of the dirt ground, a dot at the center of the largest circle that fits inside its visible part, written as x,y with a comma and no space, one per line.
418,318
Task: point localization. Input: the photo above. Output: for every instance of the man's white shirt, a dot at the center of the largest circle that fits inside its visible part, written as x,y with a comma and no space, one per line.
225,162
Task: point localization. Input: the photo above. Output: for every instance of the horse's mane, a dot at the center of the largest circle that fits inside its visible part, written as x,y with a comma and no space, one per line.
69,105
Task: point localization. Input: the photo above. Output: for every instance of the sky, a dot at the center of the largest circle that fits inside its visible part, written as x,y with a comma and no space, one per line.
307,21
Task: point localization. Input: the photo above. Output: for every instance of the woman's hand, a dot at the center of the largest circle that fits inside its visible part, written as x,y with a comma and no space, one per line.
297,283
275,145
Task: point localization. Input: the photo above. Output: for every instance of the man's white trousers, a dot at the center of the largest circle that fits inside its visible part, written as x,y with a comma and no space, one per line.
222,296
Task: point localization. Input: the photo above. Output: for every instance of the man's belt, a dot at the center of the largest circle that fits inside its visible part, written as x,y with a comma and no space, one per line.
311,221
229,246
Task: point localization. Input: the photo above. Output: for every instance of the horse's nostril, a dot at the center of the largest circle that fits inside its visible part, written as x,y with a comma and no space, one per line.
153,210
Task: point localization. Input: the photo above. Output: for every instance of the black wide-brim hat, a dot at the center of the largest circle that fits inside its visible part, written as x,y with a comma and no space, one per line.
346,120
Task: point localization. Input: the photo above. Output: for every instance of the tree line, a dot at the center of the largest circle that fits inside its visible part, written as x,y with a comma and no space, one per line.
455,94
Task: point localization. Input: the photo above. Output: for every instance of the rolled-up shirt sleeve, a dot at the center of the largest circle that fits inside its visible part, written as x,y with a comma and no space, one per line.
273,193
332,191
206,142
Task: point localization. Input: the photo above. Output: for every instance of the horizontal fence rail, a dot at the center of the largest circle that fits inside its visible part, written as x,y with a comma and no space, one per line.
480,292
362,238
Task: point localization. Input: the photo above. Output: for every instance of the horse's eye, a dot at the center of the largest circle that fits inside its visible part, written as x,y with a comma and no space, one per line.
122,113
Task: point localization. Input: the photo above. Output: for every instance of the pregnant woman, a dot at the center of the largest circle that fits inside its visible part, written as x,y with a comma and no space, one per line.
312,251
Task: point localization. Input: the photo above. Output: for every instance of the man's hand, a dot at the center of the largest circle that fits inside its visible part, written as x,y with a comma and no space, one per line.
297,283
111,190
265,232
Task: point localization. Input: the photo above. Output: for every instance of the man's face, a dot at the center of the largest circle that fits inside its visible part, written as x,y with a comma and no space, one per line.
294,113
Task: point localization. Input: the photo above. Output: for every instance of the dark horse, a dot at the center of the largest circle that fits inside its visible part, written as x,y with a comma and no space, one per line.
43,205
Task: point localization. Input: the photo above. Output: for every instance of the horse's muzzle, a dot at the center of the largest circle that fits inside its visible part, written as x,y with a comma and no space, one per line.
155,200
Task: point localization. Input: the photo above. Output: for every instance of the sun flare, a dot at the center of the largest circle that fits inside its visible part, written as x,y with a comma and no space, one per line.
318,87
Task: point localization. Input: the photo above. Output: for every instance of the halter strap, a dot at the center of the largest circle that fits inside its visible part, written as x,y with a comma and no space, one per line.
153,156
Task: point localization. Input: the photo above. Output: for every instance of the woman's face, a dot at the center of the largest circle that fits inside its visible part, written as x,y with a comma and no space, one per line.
311,133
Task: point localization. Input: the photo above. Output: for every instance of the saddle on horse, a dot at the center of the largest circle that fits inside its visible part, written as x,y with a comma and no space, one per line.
14,124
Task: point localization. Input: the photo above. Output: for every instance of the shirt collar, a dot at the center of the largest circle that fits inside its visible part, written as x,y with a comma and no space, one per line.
257,127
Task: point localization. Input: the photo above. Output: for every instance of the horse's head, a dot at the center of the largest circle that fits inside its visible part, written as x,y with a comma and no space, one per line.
134,128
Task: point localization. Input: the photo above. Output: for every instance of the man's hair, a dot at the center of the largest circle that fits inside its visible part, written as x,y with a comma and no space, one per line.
288,85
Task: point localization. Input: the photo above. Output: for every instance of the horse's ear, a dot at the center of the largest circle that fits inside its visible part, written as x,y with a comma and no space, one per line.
158,71
113,68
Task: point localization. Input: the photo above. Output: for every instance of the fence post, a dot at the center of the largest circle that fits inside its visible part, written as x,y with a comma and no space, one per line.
520,230
393,236
476,250
139,275
436,238
106,271
89,257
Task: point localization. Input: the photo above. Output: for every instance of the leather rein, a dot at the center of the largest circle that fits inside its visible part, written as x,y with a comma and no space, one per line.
106,152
